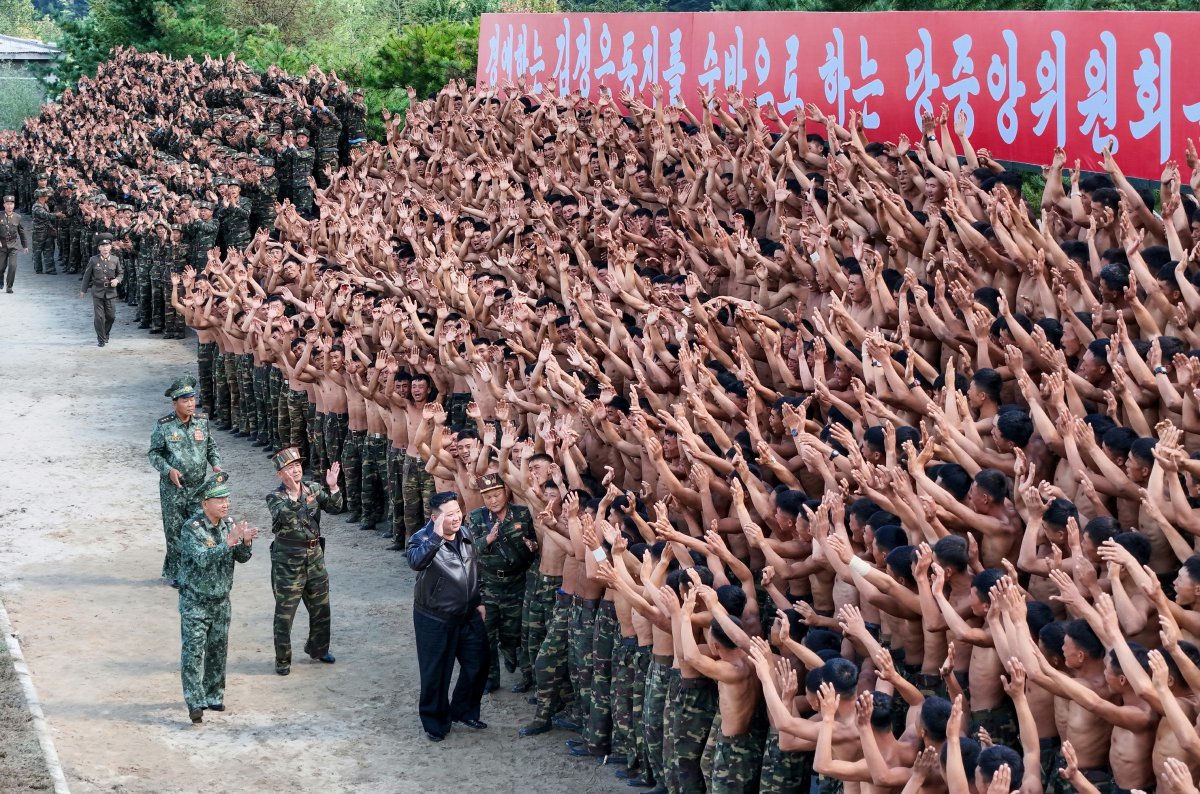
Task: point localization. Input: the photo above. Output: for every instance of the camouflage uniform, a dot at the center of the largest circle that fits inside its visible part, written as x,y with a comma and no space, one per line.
653,705
329,129
206,355
624,670
536,611
691,706
550,669
353,113
191,449
598,730
417,490
8,175
201,236
579,656
352,460
372,483
263,194
299,167
206,577
395,493
43,234
784,771
736,761
502,566
334,430
298,566
235,223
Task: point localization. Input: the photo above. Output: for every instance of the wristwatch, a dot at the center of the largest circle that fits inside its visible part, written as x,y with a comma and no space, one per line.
1160,370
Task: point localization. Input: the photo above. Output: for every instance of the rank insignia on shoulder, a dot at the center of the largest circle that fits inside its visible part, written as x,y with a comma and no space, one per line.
166,419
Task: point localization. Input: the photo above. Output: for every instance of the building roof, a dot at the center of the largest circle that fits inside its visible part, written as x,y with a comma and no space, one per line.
14,49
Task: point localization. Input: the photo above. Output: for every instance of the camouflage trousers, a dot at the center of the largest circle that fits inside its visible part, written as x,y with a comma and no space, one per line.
372,483
261,377
204,631
395,493
417,490
579,657
624,674
333,433
293,421
299,574
43,254
456,408
736,761
1100,778
784,771
206,354
653,704
177,505
172,320
315,429
274,391
1000,722
550,669
220,410
145,292
243,366
598,730
233,378
536,611
690,707
159,296
502,599
352,460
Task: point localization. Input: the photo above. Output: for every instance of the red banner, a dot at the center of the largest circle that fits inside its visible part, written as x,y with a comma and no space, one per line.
1028,81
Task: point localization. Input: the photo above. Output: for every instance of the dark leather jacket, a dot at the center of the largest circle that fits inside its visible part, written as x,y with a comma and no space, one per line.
447,581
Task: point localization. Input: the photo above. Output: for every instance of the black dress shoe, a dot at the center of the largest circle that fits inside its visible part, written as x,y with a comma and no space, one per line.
196,716
397,546
99,344
156,330
638,782
523,687
216,706
434,737
535,729
627,774
326,659
581,751
354,518
283,669
490,686
476,724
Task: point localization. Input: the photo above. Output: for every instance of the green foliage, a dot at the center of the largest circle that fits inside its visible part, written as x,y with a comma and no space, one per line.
21,96
19,18
611,6
426,57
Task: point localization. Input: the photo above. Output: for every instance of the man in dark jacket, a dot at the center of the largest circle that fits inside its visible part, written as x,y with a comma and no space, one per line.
448,615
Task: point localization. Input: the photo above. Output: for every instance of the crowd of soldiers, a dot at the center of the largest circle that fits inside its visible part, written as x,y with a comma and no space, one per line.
170,178
794,458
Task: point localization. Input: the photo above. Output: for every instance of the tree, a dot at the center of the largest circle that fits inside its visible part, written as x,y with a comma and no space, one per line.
21,96
19,18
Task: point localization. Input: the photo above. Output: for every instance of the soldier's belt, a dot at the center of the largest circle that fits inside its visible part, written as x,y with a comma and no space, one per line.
292,543
586,603
377,436
502,573
563,598
665,659
607,607
696,683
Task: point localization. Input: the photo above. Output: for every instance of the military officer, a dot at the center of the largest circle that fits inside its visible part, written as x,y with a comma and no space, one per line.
507,547
11,231
210,544
300,160
182,448
103,274
298,555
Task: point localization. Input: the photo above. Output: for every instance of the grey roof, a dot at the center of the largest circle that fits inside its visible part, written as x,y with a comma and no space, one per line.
14,49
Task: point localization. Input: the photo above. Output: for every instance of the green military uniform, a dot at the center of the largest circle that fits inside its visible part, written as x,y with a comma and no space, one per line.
329,129
43,232
298,563
263,194
353,113
599,728
691,704
206,577
189,448
11,231
300,161
502,566
202,236
8,173
235,223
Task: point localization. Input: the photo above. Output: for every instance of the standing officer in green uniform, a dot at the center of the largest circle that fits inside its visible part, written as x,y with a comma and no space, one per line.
181,450
298,556
11,231
263,190
209,546
202,235
103,275
507,547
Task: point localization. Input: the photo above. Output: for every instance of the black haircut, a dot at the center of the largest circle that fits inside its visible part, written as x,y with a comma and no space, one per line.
900,560
441,498
889,537
719,634
1015,426
992,758
935,713
993,483
1082,635
1136,544
988,381
733,598
1051,637
843,674
984,581
952,552
1059,511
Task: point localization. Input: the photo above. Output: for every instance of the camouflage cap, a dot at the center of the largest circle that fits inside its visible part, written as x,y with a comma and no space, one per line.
104,239
43,192
217,487
124,208
181,387
203,205
490,482
265,162
359,92
302,131
285,457
42,175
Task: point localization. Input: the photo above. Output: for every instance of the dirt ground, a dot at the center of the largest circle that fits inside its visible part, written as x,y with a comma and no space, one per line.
80,552
22,766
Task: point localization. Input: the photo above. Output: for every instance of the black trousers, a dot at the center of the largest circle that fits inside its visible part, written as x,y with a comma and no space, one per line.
439,645
104,313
